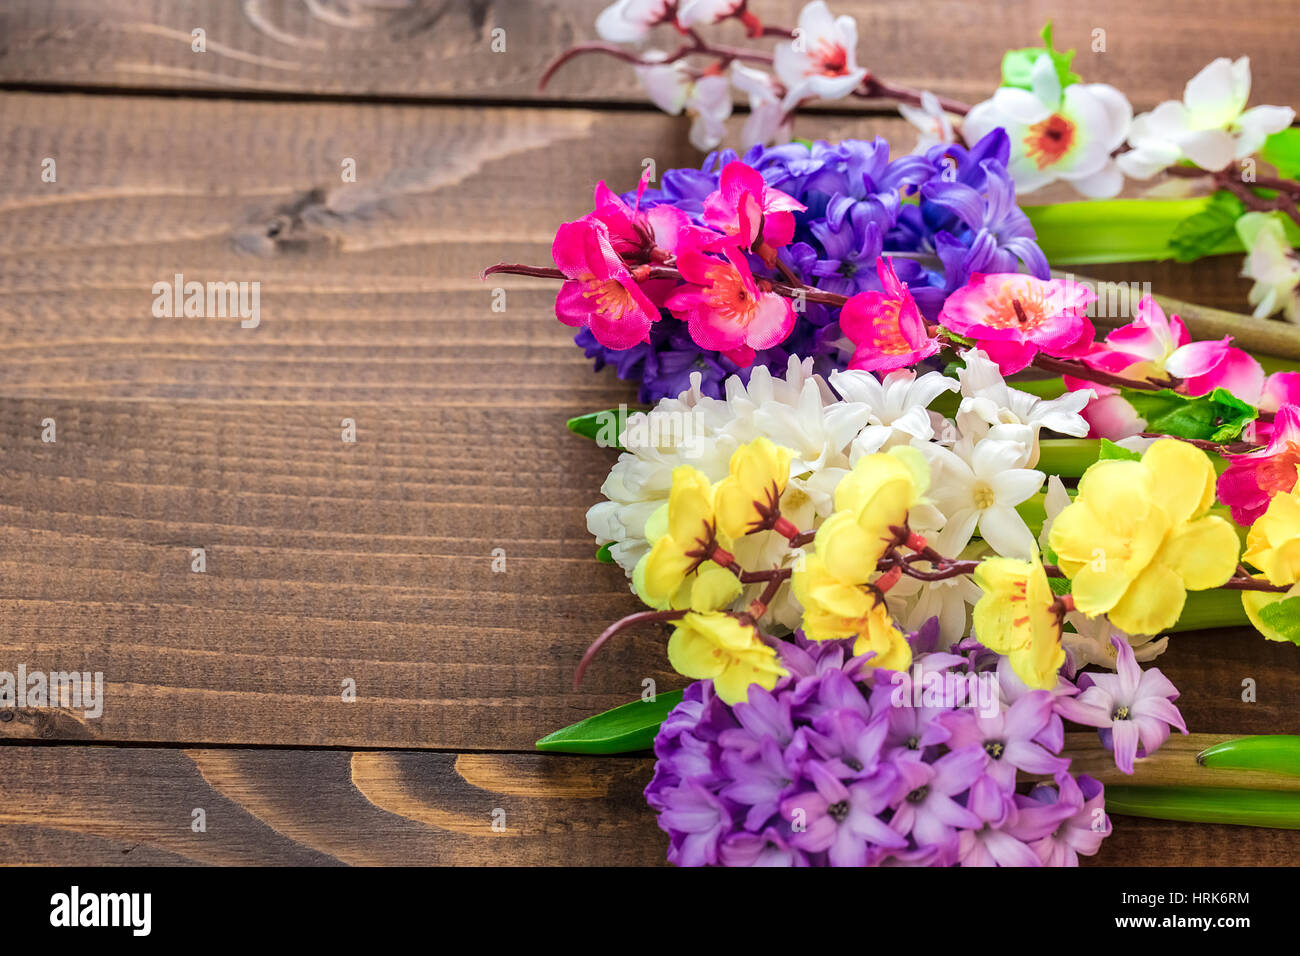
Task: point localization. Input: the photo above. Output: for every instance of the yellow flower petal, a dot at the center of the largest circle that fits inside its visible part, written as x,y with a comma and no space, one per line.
1152,603
1203,552
1184,476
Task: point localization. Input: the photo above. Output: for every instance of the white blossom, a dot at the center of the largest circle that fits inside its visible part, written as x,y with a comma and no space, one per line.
820,62
1057,133
1210,126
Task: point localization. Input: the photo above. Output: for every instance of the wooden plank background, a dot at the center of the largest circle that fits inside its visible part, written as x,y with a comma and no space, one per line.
373,562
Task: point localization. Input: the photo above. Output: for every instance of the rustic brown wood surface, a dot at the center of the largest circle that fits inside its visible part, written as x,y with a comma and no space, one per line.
372,562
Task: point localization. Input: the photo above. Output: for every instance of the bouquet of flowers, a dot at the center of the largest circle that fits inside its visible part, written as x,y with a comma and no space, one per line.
905,506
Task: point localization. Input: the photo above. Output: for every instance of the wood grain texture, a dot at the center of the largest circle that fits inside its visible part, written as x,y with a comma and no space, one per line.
328,561
110,806
442,48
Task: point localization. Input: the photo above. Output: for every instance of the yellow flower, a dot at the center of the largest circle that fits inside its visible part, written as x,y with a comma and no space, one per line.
874,498
683,533
834,609
745,499
1016,618
718,646
1273,542
1137,538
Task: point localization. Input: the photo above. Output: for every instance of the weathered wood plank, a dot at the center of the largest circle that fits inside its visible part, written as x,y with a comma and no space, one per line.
437,48
106,806
75,805
329,561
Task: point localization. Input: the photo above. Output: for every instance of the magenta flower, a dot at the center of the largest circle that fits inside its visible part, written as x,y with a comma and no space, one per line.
645,235
1013,317
1131,706
724,308
1076,812
886,327
601,293
746,207
1251,480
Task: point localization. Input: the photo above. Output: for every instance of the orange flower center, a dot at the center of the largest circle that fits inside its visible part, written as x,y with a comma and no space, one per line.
887,332
610,296
1023,309
728,296
1049,140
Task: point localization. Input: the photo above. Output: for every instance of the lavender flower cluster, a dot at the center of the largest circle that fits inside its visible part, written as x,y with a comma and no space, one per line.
942,216
837,767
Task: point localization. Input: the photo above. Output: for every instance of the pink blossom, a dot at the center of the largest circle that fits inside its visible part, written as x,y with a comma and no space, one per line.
1153,346
1131,706
601,293
642,236
1013,317
1250,481
725,309
746,207
886,327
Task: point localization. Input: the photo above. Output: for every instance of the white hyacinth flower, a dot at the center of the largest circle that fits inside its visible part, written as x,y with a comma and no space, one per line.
992,408
977,485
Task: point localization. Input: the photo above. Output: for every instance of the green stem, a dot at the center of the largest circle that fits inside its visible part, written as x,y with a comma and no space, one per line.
1121,230
1067,457
1216,608
1256,808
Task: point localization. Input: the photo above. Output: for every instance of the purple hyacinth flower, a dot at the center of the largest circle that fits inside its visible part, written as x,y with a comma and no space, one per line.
842,819
1012,688
1007,738
927,809
768,848
1131,706
757,782
696,821
1078,808
994,846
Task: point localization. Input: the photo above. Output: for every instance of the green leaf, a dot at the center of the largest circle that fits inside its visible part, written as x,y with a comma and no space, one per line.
1201,233
1272,753
1282,150
603,555
1284,618
1111,450
1219,416
604,428
624,729
1254,808
1018,65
